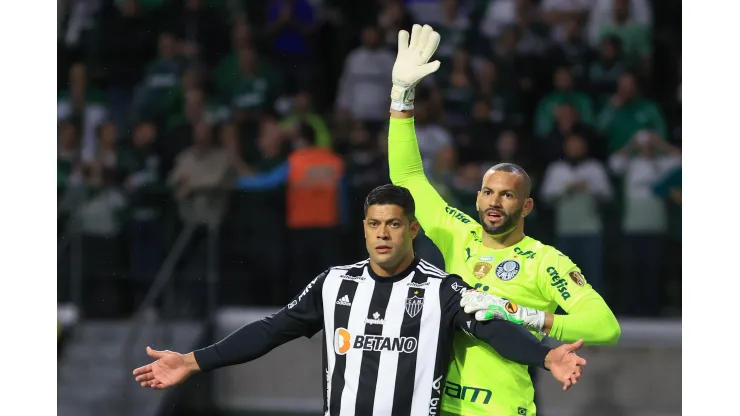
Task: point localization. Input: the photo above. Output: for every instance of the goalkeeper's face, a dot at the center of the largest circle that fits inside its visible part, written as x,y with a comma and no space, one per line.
503,202
389,235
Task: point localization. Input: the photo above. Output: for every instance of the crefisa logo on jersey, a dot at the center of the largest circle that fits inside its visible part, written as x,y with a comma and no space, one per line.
414,305
507,270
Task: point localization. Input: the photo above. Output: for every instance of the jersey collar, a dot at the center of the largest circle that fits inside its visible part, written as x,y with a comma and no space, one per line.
396,277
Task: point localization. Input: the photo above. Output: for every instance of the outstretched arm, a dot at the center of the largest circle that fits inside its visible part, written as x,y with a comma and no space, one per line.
304,316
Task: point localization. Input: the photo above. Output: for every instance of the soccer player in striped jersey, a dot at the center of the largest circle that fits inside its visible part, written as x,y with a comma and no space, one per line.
388,323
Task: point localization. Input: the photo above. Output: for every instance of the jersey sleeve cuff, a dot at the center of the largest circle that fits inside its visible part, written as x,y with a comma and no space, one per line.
207,358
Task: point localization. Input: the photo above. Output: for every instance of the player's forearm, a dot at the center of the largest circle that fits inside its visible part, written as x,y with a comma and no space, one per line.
404,158
593,322
243,345
513,342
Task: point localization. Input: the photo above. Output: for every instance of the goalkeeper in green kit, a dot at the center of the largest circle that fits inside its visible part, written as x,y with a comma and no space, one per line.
518,278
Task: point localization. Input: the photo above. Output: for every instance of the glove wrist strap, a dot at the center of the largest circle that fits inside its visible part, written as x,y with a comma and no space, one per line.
402,97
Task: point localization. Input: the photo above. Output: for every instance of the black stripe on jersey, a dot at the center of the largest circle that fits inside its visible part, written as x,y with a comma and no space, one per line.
341,320
370,359
405,382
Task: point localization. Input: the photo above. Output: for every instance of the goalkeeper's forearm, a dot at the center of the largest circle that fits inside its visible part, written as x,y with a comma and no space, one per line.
590,320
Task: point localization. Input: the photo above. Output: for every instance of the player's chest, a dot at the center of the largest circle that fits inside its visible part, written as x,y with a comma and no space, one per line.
508,273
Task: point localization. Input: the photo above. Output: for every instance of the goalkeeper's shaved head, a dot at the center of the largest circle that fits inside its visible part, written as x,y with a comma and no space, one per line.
526,181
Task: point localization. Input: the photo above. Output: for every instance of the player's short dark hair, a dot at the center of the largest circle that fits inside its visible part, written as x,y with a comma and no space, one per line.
517,170
392,195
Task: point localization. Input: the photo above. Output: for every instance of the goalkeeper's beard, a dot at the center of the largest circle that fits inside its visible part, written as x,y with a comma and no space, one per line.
508,222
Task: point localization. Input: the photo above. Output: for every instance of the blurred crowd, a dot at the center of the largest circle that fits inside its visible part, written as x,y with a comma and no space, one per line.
267,121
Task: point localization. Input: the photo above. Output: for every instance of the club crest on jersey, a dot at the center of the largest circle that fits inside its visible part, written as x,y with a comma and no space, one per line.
414,305
507,270
481,269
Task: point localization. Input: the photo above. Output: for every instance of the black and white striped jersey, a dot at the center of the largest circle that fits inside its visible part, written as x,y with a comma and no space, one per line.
387,340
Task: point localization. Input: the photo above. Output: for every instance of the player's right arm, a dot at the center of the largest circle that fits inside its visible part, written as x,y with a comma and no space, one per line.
404,159
303,316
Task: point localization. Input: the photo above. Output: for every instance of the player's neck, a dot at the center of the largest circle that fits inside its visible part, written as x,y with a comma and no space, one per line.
500,241
392,271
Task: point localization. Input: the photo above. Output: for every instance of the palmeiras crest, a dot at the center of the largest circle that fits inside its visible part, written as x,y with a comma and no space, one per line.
414,305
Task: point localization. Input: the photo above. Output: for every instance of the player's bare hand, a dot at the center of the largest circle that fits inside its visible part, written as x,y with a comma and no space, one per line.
169,369
565,365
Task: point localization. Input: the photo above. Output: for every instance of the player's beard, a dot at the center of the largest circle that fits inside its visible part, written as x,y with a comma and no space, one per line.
508,223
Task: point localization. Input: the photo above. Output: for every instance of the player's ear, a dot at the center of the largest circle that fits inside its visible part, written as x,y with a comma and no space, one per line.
414,227
528,207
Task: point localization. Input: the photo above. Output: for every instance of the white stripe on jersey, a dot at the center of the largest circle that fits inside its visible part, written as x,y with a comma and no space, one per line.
425,265
431,272
351,266
388,364
360,310
329,294
431,319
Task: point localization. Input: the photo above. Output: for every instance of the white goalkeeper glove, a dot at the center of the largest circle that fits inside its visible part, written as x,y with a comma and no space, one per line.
412,64
487,307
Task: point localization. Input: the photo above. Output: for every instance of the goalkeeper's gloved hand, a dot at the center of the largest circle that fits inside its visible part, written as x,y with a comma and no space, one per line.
487,307
412,64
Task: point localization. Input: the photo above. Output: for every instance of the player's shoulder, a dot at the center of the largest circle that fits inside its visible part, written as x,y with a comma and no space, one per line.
549,256
430,270
348,270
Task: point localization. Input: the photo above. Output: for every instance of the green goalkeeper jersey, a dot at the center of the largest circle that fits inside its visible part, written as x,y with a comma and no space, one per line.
480,382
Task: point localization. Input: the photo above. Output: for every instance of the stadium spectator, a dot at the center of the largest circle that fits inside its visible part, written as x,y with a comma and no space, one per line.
631,22
366,170
130,44
362,87
302,111
140,170
200,30
567,122
457,84
643,162
68,154
562,14
253,94
565,93
604,72
291,25
573,52
160,79
577,187
393,16
226,73
627,113
179,130
84,104
315,178
476,141
200,176
498,16
454,27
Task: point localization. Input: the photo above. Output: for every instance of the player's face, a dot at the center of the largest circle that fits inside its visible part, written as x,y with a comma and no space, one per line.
502,202
389,235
